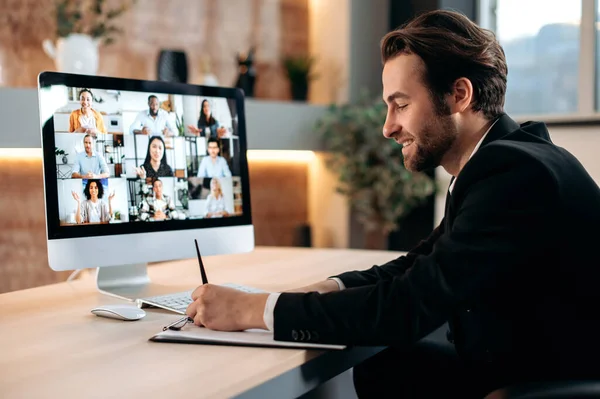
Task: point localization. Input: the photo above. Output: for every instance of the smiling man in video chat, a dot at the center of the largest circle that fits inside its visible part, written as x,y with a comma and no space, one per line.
513,268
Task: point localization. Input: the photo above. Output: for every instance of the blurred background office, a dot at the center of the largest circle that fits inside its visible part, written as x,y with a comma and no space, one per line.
293,58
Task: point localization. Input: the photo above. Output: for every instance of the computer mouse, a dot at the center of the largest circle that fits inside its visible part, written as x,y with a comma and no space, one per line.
119,312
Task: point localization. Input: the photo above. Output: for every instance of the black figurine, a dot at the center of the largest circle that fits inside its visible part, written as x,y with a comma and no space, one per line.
247,73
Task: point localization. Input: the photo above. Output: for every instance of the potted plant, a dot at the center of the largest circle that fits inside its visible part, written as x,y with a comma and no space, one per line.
370,169
119,166
181,188
299,71
58,152
179,123
80,27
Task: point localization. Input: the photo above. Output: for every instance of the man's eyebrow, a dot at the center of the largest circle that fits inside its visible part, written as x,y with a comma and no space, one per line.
396,95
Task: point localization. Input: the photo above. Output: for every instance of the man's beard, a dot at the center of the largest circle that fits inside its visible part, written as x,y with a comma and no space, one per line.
153,113
433,142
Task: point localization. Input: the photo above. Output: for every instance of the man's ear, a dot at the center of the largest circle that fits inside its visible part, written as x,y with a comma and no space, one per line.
462,95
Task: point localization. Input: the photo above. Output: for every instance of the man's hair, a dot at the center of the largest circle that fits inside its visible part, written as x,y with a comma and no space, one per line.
213,140
151,96
452,47
88,135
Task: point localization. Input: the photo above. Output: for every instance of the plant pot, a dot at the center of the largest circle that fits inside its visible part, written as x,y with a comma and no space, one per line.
376,239
299,90
118,169
76,53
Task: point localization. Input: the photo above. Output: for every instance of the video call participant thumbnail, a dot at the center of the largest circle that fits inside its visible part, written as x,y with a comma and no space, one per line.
89,164
158,206
86,119
92,209
213,165
155,165
153,121
207,125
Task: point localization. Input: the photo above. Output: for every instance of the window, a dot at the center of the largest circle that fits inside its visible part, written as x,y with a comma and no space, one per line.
542,43
596,45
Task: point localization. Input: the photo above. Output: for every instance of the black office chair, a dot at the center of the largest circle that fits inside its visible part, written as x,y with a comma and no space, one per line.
549,390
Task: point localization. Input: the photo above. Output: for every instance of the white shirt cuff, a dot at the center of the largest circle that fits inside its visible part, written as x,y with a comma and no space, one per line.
339,282
272,301
269,309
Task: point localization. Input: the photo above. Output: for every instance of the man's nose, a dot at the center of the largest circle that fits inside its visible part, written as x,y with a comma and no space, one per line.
390,128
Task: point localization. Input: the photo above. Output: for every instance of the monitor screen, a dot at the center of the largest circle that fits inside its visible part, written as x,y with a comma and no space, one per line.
126,156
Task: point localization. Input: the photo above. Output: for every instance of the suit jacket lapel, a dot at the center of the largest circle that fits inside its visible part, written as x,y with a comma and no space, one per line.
448,208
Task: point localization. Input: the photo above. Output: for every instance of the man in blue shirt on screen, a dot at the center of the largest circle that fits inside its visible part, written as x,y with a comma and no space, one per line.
89,164
213,165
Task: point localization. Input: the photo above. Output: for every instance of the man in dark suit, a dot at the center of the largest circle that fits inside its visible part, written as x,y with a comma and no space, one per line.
513,268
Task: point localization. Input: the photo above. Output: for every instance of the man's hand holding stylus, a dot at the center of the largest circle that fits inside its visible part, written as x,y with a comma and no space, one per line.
227,309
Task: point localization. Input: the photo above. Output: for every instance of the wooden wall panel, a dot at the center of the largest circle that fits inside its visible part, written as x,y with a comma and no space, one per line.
214,28
279,205
23,250
294,21
279,198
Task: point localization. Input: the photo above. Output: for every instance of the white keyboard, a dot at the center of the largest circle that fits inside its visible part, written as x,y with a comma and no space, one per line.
179,301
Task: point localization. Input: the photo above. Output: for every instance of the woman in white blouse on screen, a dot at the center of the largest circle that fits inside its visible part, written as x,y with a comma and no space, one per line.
215,202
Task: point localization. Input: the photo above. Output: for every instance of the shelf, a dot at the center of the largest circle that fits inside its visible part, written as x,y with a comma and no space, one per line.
270,125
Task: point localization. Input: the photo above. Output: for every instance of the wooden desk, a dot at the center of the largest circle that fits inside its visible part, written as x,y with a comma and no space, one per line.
52,346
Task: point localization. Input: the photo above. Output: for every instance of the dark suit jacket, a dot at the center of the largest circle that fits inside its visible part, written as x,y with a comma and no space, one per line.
514,267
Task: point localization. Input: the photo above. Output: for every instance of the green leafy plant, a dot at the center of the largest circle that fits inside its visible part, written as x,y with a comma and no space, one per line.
59,151
90,17
299,71
370,168
299,68
179,123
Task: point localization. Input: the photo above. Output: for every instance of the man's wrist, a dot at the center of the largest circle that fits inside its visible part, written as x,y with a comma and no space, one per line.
329,285
339,282
256,315
269,312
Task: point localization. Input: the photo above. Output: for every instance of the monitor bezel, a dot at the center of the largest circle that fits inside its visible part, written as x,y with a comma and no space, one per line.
53,228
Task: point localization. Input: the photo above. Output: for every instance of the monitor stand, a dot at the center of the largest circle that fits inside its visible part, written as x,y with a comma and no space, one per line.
131,282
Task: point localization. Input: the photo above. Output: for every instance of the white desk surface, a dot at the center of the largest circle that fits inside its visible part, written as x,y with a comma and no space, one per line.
51,346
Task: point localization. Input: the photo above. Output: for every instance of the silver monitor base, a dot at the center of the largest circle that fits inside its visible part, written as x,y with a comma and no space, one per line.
132,283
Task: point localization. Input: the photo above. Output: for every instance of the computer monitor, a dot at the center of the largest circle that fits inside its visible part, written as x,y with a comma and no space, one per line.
135,170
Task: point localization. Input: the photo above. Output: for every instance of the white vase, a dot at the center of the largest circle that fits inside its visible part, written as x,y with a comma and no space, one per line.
210,80
76,53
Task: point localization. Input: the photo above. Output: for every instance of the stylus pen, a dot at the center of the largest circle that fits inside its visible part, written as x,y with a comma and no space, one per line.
204,281
182,320
202,271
